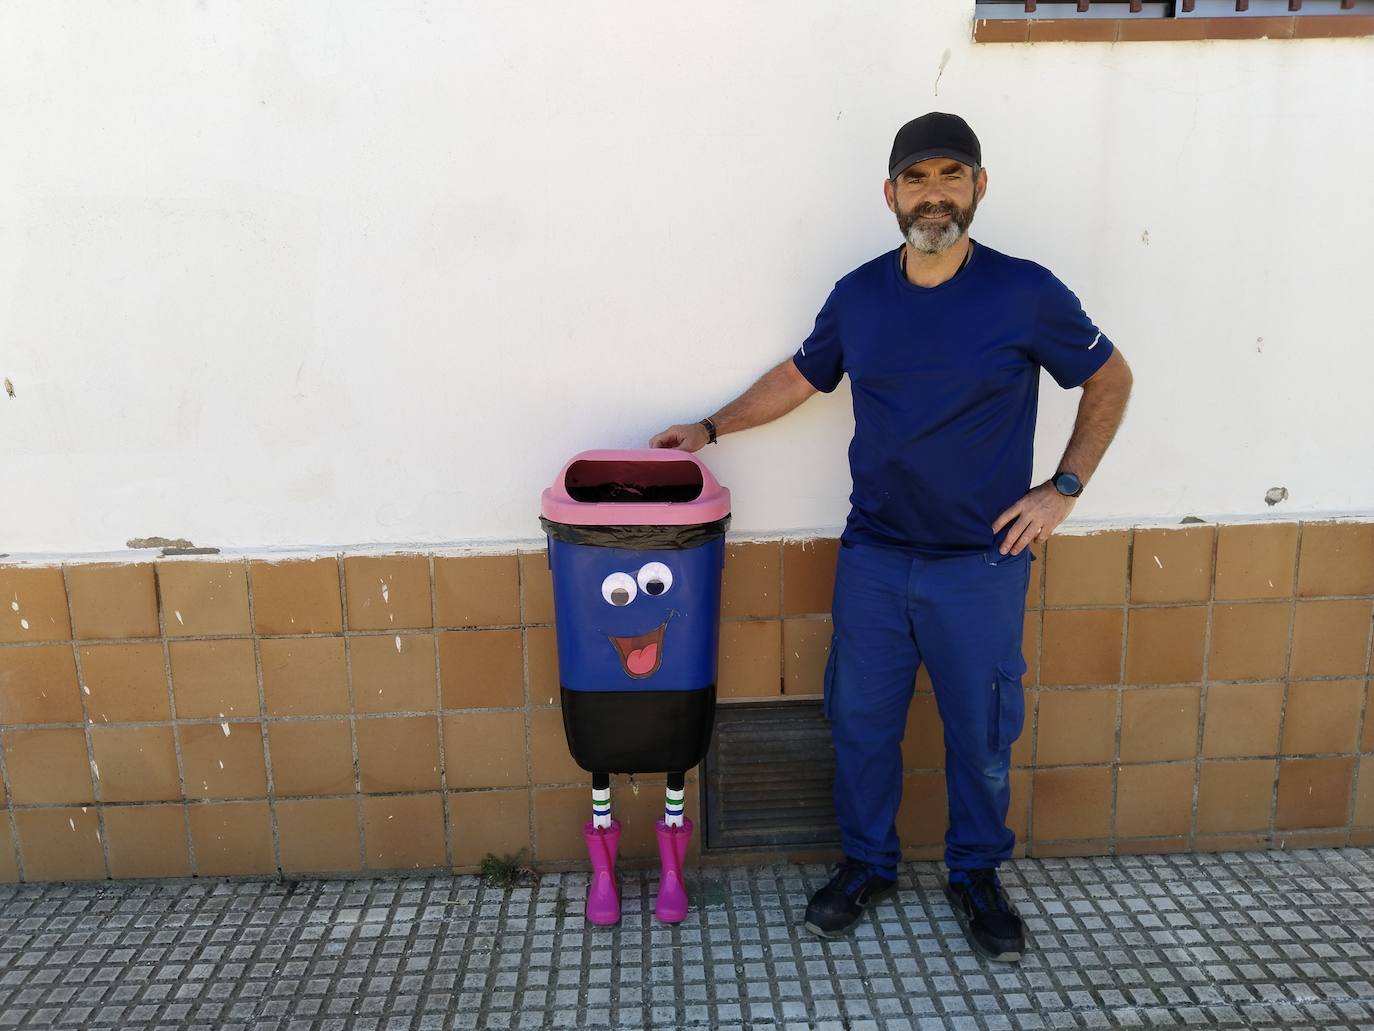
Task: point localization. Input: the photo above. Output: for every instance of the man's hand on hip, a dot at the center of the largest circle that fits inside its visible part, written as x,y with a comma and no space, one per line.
1033,518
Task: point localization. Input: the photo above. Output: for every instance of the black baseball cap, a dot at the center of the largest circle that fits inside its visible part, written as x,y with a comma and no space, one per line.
933,135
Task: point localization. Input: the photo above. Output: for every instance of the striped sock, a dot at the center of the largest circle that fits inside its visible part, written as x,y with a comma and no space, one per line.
601,807
673,807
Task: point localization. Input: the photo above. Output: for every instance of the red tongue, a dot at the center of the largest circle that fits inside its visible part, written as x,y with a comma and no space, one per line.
641,660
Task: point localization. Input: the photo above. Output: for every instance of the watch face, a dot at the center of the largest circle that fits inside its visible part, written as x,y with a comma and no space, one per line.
1068,484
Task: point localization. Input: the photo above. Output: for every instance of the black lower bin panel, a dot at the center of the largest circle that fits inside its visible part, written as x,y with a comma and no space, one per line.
639,731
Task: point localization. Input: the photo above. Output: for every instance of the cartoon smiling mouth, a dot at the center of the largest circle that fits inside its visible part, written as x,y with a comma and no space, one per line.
641,656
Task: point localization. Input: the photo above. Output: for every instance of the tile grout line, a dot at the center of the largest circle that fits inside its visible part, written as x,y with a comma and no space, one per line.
1253,681
1121,691
1360,726
1039,687
449,830
320,717
889,961
529,918
709,999
1206,688
796,952
531,824
352,713
10,815
273,817
1287,680
779,557
794,616
172,717
462,960
102,832
391,920
327,717
1100,764
238,799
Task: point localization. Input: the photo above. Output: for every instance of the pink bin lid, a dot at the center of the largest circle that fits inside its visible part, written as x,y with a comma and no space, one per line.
650,487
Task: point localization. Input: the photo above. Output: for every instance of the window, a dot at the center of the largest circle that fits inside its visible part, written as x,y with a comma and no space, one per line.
1124,20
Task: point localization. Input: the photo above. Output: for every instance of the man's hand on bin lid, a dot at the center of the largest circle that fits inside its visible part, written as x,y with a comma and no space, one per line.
686,437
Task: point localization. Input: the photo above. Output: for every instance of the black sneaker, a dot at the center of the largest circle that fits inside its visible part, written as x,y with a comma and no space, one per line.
838,906
991,923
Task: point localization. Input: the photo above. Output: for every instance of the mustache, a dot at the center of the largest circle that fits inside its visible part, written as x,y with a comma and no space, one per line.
935,209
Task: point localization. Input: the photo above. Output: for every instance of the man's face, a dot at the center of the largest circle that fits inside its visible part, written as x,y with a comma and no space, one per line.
934,201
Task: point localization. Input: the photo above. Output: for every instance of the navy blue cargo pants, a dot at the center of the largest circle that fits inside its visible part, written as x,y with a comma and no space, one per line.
962,616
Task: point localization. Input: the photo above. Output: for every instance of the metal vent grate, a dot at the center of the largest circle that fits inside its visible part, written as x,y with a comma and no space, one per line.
768,776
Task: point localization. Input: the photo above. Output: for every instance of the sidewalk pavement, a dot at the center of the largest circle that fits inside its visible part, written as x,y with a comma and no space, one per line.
1255,940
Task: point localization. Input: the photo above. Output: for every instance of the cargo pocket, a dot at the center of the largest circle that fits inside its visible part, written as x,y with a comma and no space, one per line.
1008,713
828,689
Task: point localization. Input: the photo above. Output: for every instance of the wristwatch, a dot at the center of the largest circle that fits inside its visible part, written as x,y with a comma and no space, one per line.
710,428
1067,484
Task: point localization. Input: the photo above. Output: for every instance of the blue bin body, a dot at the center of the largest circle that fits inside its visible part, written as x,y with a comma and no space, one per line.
595,637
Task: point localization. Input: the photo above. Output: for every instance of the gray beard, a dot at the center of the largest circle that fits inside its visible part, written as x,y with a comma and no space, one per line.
930,240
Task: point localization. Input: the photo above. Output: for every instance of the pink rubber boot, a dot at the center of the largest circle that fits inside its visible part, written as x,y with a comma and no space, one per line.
603,894
671,906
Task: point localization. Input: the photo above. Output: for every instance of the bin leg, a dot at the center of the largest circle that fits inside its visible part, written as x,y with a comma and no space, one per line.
601,799
674,832
673,802
603,842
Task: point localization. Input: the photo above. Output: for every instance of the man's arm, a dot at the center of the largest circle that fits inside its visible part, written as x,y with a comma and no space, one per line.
778,391
1100,411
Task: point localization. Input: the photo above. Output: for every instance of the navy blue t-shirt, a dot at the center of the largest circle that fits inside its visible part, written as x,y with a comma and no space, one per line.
945,382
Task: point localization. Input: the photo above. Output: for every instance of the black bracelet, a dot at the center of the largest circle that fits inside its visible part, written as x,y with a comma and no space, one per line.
710,430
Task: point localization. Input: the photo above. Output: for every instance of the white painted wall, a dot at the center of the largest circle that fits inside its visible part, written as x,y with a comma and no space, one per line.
348,273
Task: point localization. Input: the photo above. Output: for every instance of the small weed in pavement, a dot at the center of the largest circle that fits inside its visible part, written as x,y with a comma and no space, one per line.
507,872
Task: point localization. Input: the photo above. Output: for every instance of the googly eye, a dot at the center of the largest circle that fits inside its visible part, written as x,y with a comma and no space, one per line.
655,579
618,589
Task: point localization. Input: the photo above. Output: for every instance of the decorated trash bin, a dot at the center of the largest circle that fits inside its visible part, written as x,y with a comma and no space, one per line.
636,546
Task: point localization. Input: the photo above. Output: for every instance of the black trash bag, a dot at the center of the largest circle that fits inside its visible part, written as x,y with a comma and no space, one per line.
656,493
638,538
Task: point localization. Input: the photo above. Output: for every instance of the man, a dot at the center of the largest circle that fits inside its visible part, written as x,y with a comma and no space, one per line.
943,340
